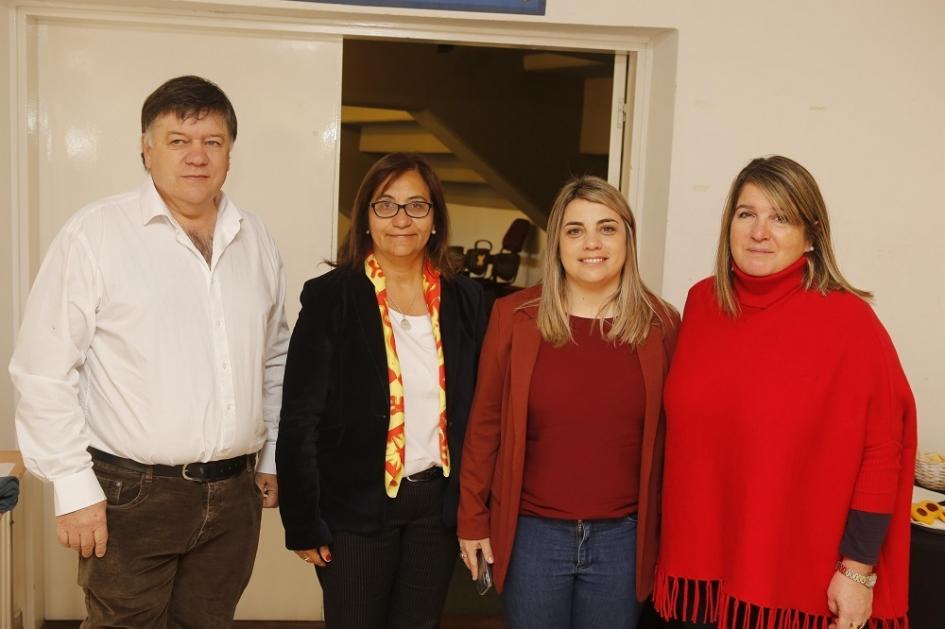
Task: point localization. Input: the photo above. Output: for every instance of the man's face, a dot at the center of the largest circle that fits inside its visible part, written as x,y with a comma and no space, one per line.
188,160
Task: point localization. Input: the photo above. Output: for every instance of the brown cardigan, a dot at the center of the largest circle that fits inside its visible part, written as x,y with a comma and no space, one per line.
494,450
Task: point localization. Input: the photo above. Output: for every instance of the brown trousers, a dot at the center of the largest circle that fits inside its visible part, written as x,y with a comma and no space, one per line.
179,553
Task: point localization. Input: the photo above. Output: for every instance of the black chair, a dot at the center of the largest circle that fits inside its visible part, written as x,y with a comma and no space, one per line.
505,264
478,258
496,271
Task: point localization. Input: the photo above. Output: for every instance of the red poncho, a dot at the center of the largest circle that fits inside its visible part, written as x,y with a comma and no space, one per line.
779,421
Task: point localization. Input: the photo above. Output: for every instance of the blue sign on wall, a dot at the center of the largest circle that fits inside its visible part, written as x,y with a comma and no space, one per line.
529,7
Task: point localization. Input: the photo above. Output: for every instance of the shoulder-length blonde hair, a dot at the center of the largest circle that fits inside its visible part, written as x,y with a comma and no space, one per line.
791,189
635,307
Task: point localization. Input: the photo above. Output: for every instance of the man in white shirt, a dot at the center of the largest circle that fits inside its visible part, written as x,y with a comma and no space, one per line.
149,366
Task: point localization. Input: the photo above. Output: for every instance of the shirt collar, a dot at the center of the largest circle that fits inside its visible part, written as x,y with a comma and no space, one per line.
153,206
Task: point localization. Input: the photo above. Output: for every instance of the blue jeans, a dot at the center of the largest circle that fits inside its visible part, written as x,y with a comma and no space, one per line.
571,574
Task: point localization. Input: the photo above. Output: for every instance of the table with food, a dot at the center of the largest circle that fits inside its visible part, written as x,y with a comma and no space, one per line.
927,553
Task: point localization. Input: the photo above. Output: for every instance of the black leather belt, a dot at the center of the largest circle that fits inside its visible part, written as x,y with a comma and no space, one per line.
431,473
196,472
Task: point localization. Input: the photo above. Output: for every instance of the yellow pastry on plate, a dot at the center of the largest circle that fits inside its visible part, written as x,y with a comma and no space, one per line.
933,508
921,514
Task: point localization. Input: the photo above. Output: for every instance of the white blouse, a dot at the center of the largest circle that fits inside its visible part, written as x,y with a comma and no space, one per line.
416,350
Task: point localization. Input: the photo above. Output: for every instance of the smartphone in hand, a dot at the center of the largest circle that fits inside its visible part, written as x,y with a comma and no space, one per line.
484,581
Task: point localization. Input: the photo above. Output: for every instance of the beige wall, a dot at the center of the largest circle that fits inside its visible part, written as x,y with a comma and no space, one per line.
88,134
7,439
853,89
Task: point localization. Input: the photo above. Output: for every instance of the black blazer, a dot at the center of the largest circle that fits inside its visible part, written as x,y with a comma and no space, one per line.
336,408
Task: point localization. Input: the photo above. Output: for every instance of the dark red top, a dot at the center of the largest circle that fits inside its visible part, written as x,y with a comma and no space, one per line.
585,426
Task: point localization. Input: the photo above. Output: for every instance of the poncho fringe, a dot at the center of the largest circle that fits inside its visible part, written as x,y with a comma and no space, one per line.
699,601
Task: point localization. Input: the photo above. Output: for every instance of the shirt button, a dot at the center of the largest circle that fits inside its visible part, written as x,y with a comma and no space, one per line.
226,365
219,324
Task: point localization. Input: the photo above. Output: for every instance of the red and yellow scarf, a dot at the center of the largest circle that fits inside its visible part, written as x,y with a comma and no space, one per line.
396,437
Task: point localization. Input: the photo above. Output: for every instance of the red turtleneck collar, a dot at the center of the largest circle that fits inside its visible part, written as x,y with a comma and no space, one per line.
763,291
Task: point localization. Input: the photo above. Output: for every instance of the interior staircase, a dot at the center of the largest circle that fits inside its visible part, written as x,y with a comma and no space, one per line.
503,128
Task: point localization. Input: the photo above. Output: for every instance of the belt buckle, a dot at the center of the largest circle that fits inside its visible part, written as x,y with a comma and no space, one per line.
423,475
186,475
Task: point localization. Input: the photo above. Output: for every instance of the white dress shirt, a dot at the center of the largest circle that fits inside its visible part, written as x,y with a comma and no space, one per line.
132,344
419,366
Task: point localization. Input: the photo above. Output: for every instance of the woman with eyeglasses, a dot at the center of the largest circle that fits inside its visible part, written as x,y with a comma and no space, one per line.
378,385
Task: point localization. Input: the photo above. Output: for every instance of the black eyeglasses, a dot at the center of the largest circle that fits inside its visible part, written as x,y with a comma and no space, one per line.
389,209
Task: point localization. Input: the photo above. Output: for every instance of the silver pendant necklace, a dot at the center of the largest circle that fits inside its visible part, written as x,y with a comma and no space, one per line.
404,322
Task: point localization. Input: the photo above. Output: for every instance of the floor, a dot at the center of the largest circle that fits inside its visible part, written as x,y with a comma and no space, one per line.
464,610
452,622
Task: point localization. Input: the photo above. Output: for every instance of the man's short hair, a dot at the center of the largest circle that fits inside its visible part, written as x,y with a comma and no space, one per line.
188,97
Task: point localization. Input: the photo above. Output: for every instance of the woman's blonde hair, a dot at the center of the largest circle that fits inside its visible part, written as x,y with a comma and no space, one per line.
634,305
791,189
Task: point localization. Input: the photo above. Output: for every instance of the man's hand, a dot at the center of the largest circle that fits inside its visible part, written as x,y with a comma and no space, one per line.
84,530
269,486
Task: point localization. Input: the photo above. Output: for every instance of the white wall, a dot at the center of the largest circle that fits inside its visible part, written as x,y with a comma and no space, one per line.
90,81
853,90
7,439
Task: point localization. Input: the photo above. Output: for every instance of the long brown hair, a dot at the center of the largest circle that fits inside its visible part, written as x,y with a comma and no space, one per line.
358,244
634,305
792,190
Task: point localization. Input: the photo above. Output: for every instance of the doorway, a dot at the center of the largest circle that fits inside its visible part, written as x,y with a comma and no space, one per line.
503,127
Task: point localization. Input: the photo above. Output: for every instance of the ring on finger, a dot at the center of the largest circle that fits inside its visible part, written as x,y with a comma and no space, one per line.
462,555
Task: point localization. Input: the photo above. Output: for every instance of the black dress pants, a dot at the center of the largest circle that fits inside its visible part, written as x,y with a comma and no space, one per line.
398,578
